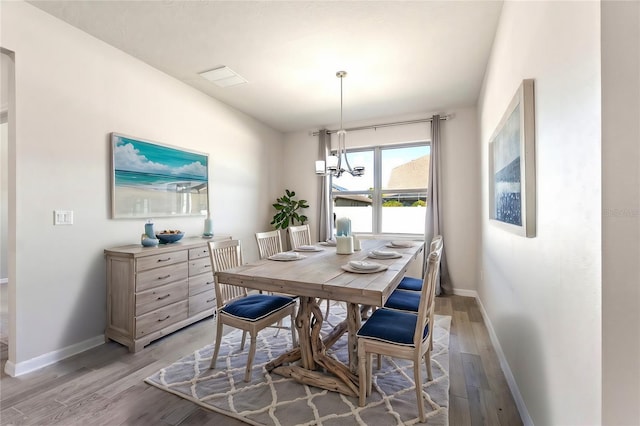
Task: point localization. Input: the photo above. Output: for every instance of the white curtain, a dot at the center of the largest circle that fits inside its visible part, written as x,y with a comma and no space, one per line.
324,190
432,225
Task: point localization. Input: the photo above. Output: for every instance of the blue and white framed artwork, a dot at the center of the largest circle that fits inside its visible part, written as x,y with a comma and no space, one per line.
151,179
512,174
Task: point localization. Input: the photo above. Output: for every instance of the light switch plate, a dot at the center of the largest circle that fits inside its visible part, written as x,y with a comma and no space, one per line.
63,217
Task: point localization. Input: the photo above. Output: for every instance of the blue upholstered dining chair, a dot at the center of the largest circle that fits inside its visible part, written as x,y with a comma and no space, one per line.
408,299
300,235
415,284
238,309
269,243
401,335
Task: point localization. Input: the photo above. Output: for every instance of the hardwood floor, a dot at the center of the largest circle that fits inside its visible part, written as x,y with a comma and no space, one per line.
104,386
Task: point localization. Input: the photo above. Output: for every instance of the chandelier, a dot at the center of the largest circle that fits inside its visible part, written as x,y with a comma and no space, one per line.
334,164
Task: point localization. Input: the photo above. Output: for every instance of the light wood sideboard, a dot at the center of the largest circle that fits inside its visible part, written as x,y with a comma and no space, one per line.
154,291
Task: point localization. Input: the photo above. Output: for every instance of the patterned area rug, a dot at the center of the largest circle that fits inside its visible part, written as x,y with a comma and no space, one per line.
275,400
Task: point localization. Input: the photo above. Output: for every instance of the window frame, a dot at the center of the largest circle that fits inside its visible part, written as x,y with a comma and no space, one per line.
376,193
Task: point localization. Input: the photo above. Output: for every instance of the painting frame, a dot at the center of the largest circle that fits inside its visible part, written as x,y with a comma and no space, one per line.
151,179
512,168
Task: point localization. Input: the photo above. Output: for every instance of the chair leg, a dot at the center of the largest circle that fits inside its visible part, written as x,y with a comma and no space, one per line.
427,361
279,325
244,337
362,371
218,341
369,373
379,361
294,332
417,376
252,354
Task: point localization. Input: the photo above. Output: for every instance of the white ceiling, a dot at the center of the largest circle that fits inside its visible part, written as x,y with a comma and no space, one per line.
402,57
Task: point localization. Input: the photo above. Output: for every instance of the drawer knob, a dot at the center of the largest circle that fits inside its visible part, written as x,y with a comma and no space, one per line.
164,297
210,300
164,277
164,260
164,319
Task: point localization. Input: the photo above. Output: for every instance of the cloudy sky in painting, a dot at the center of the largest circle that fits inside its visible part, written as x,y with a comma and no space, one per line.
136,156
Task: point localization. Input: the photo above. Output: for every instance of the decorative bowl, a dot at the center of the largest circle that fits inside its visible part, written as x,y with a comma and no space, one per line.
166,238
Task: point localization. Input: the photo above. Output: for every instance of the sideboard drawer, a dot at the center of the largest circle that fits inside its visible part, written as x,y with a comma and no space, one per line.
199,266
150,262
196,253
158,297
200,283
161,276
202,302
160,318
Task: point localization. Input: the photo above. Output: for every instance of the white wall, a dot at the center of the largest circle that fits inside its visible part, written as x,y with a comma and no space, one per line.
5,70
71,92
542,294
460,176
621,213
4,199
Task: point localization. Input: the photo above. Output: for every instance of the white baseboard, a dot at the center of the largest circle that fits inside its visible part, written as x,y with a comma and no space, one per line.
504,365
465,293
24,367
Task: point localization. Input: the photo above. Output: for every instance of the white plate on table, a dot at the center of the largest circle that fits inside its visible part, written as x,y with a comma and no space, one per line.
363,267
309,248
287,256
383,254
327,243
400,244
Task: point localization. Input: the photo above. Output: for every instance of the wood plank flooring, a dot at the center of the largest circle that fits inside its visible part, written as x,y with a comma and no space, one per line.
104,386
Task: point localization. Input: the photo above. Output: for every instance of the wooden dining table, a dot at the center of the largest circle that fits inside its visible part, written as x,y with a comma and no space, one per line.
321,275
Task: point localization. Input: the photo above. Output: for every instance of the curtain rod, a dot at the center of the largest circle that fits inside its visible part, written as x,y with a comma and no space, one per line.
375,126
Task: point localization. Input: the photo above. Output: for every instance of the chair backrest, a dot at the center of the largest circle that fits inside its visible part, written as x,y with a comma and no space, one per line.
225,255
299,236
269,243
436,242
427,296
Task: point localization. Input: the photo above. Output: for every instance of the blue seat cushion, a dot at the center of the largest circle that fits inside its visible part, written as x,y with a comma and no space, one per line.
256,306
410,283
391,326
404,300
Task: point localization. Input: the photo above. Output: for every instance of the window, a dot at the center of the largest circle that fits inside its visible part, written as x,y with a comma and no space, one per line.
391,196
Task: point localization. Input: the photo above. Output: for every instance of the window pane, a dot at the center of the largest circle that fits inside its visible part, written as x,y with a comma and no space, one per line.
346,182
404,213
405,168
356,207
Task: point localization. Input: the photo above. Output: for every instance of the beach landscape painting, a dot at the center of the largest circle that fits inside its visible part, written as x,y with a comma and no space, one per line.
512,166
151,179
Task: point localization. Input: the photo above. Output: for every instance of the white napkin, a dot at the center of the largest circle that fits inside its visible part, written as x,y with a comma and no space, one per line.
403,244
330,242
362,265
307,248
285,255
384,253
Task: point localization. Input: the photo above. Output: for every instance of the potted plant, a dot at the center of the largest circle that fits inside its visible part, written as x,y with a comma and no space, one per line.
287,211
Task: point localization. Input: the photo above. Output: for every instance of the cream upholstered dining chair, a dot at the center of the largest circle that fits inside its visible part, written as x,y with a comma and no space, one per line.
238,309
269,243
300,236
401,335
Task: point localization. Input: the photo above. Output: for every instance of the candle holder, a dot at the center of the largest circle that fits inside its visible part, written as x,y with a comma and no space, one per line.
344,244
